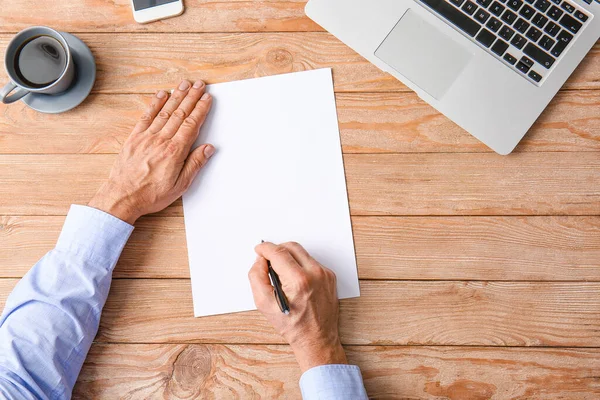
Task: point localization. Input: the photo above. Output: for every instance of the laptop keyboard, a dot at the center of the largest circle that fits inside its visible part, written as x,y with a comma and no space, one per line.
526,35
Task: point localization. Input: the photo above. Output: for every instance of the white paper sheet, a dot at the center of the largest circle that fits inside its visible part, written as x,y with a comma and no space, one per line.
277,175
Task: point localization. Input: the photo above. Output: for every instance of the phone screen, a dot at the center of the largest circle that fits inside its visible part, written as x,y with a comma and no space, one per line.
143,4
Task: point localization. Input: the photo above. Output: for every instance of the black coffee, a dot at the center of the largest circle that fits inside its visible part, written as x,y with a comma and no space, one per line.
40,61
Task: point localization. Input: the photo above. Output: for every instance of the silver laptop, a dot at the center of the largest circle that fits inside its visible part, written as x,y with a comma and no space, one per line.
491,66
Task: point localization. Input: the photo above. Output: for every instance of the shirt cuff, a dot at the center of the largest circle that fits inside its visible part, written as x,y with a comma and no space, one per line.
94,234
334,381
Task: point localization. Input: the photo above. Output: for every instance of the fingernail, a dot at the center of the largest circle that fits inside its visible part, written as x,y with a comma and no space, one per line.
205,96
198,84
209,151
161,94
184,85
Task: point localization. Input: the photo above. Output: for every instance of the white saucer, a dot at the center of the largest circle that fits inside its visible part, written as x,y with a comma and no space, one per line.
85,76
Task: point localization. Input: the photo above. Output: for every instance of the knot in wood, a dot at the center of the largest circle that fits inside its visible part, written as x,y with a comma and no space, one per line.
192,369
280,58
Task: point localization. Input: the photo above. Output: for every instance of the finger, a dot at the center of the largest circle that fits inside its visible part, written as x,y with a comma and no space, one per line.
282,261
158,101
300,254
190,128
193,164
184,109
260,283
332,280
169,108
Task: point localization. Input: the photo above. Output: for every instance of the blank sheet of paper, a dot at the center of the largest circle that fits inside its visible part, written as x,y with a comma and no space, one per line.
278,176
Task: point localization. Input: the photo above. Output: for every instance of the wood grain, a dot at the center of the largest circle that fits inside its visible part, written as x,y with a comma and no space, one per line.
387,313
419,248
479,248
178,371
144,63
369,123
386,184
474,184
199,16
403,123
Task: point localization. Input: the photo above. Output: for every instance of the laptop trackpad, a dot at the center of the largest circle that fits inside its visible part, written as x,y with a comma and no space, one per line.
423,54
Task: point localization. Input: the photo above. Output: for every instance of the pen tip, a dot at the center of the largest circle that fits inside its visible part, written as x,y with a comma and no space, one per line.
286,312
262,241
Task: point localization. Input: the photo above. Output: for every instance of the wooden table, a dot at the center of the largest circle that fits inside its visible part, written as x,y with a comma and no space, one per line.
480,274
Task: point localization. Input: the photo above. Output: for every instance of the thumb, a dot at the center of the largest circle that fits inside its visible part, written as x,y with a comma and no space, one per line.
194,163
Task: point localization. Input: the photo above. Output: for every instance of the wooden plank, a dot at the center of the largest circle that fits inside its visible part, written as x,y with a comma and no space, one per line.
478,248
144,63
403,123
199,16
387,313
369,123
474,184
178,371
383,184
419,248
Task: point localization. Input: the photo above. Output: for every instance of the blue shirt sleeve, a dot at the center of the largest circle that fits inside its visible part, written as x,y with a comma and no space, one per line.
333,382
51,317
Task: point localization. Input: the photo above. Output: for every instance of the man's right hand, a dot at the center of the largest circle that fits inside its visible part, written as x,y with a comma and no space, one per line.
311,327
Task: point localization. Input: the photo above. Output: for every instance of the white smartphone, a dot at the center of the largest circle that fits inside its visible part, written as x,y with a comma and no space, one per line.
152,10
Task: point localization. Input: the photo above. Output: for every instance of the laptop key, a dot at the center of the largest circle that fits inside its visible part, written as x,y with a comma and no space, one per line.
506,33
496,9
568,7
552,29
481,15
581,16
570,23
562,41
518,41
509,17
521,25
535,76
527,12
484,3
454,16
469,7
500,47
485,37
514,4
546,42
542,5
522,67
539,20
555,13
457,3
533,34
493,24
527,61
539,55
509,58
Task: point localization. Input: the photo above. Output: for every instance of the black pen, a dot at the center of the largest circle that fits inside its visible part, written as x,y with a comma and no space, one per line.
277,290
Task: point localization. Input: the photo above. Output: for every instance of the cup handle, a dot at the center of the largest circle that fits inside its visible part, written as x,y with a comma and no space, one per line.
9,87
